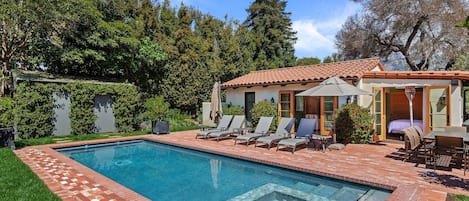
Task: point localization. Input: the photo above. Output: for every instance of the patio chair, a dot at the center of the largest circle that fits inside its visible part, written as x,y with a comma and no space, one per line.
425,145
448,148
222,125
262,129
283,132
303,135
412,142
237,123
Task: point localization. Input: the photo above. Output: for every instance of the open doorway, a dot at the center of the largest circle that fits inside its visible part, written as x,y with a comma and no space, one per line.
398,112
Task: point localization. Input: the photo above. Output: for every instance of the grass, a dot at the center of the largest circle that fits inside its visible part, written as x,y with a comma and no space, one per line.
73,138
453,197
18,182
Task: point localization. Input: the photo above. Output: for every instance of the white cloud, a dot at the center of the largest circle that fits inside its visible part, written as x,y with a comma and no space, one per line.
310,40
316,38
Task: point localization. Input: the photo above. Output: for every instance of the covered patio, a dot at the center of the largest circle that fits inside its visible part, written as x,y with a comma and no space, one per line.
375,164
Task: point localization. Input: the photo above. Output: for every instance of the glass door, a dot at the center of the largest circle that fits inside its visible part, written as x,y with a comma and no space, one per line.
285,104
379,112
438,108
328,111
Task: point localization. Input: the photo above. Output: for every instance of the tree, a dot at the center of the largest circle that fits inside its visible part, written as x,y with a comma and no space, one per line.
464,24
22,24
461,63
421,33
333,58
185,74
272,37
308,61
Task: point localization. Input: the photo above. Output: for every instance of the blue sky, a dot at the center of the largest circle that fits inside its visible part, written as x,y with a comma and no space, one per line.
316,21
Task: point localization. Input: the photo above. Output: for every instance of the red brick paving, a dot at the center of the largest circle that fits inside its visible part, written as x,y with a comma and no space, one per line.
378,165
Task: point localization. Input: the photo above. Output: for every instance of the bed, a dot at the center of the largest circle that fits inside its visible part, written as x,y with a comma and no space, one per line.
396,126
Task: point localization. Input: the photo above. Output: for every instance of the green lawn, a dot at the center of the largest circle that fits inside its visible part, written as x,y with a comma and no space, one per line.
18,182
73,138
452,197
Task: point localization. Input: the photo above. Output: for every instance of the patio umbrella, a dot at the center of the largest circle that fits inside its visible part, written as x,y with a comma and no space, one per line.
334,86
215,103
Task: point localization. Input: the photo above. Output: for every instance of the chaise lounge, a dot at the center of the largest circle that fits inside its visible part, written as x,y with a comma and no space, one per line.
262,129
237,123
222,125
303,135
283,132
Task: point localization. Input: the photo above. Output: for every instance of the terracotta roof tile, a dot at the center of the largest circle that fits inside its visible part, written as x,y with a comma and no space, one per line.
352,69
462,75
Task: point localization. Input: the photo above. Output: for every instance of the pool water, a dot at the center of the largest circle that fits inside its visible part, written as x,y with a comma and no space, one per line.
163,172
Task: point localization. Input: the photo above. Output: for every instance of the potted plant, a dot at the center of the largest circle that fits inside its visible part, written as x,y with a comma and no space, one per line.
156,109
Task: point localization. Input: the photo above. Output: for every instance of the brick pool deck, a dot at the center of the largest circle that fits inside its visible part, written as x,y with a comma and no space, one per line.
379,165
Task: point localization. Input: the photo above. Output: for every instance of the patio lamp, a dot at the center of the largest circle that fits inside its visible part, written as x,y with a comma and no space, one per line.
410,93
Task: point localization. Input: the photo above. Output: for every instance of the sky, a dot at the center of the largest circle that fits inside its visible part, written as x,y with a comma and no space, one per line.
315,21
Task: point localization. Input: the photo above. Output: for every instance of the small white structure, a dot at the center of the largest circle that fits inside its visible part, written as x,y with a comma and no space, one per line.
438,101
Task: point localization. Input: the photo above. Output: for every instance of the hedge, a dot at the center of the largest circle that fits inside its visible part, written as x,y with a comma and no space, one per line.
6,112
35,115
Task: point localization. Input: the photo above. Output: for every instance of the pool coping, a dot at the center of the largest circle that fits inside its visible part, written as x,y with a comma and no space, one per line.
400,191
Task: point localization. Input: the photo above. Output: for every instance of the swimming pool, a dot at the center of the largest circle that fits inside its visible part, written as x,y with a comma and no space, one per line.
165,172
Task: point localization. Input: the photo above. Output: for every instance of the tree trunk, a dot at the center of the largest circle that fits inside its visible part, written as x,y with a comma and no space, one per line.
4,59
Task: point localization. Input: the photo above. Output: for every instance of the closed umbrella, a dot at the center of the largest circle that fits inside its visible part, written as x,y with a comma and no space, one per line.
334,86
215,103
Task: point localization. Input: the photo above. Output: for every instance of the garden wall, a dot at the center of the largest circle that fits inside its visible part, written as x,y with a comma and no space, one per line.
44,109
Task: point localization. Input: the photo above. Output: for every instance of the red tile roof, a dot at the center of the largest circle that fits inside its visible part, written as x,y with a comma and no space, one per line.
460,75
352,69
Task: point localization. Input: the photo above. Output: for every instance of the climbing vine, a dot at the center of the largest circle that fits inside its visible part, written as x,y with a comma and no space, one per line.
35,107
34,112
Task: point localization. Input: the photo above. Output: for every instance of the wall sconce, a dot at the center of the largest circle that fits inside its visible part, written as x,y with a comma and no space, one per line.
348,100
272,100
442,99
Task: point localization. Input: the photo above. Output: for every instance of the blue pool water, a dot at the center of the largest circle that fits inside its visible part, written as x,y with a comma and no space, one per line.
164,172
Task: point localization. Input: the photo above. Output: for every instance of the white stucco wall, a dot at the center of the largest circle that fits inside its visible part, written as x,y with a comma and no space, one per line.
456,110
236,96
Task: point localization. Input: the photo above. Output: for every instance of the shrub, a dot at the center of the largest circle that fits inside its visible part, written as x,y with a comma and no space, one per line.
156,108
180,121
354,124
6,112
266,109
233,110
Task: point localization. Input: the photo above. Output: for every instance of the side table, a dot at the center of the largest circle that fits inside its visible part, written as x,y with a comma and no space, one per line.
323,140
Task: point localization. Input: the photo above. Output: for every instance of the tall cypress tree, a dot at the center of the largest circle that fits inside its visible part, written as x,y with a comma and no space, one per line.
272,36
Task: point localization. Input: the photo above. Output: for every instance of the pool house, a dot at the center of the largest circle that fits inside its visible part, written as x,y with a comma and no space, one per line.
439,96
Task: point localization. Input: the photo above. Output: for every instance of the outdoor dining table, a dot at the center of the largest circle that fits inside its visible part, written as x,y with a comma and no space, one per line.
432,134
